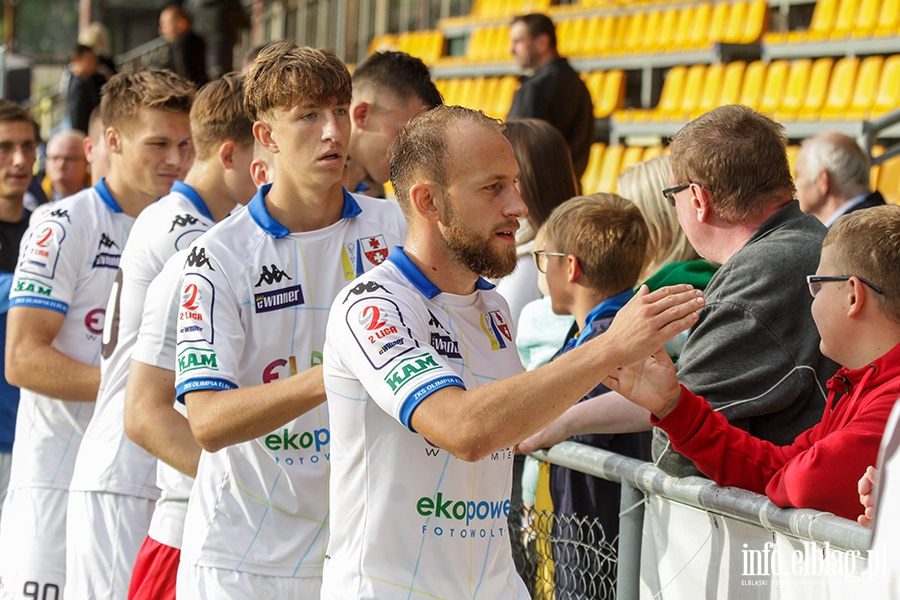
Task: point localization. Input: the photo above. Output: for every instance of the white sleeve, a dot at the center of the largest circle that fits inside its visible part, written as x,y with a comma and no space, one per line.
48,267
156,340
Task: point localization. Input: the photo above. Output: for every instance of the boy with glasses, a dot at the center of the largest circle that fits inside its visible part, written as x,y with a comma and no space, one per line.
856,308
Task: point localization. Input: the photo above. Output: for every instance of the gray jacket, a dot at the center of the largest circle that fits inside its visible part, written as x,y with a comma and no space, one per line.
754,354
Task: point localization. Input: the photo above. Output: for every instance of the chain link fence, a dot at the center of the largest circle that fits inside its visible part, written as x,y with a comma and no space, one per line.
562,557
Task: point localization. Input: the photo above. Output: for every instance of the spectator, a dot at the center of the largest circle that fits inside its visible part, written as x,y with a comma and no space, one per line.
754,354
83,94
546,180
17,155
833,178
95,149
187,50
220,22
96,36
389,88
250,377
67,167
67,267
856,307
595,250
555,91
419,366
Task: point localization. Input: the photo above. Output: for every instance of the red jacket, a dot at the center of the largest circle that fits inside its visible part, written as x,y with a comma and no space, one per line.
822,467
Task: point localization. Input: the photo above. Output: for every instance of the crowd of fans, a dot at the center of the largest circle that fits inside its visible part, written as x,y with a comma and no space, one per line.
241,372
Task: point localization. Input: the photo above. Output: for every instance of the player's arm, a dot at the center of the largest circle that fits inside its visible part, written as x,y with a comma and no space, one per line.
220,418
33,363
152,422
470,424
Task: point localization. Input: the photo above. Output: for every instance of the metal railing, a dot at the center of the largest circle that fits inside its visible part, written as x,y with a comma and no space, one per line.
871,131
640,478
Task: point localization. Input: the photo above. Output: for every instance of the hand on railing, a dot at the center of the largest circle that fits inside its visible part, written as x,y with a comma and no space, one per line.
866,485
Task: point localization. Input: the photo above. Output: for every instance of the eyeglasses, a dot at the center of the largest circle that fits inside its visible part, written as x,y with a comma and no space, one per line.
815,282
65,159
669,193
540,259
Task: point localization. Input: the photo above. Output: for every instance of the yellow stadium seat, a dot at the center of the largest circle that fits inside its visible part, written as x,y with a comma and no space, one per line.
821,24
613,95
736,20
466,91
653,23
690,99
636,34
866,18
606,38
867,79
594,83
756,22
476,50
665,36
578,30
652,152
845,19
672,91
499,44
751,89
718,23
792,151
887,18
774,87
795,90
887,98
590,181
731,82
565,41
489,97
620,34
506,89
591,35
610,168
711,93
683,29
698,36
840,88
889,180
632,156
817,90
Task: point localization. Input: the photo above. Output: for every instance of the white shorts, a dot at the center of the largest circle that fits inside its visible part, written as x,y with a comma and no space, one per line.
206,583
105,532
33,544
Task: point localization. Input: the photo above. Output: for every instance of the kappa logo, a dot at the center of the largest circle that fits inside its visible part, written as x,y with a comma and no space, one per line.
433,321
59,213
106,242
183,221
363,288
197,258
273,276
375,249
444,344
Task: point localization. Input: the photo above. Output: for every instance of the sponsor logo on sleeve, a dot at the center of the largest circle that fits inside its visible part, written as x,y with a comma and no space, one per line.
33,286
193,358
42,250
195,314
60,213
496,328
197,258
106,260
183,221
94,322
374,249
378,327
408,369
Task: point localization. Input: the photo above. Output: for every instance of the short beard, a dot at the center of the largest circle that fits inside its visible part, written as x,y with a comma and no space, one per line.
474,253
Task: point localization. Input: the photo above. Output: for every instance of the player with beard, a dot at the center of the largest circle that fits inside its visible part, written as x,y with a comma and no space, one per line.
424,384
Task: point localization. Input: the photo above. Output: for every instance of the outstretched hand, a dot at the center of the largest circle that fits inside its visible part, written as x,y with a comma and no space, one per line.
651,319
866,485
651,383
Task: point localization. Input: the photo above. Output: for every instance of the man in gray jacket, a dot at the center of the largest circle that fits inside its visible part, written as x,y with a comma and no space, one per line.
754,353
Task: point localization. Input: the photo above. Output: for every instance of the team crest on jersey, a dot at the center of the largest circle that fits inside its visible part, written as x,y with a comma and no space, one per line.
366,287
378,327
60,213
197,258
275,275
42,250
374,249
183,221
441,340
195,313
495,326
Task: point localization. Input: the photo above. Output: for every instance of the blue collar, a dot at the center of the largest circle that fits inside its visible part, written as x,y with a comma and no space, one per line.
417,278
192,195
106,196
260,213
607,308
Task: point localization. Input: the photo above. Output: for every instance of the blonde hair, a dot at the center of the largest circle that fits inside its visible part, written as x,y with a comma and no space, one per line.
96,35
218,115
643,184
126,93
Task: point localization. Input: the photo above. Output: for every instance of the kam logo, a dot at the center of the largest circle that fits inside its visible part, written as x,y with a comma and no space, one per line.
408,369
34,286
192,358
462,511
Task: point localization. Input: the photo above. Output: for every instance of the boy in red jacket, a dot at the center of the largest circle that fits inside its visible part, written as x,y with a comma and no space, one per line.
856,307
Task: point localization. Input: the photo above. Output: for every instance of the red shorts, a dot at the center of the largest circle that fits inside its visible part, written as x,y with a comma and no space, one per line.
155,569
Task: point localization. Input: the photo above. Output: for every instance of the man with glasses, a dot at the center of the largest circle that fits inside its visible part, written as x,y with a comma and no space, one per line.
67,167
859,321
754,354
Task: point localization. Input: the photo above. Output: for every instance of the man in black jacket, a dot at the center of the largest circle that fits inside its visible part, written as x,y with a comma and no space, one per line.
187,50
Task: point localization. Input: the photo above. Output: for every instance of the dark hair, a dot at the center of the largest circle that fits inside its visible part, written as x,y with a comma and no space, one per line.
546,176
10,111
400,73
79,50
739,156
538,24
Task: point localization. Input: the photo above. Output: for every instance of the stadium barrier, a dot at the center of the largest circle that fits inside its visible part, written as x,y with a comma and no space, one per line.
688,537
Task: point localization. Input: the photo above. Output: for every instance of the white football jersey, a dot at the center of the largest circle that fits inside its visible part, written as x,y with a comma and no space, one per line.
155,346
254,305
409,520
108,461
67,263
